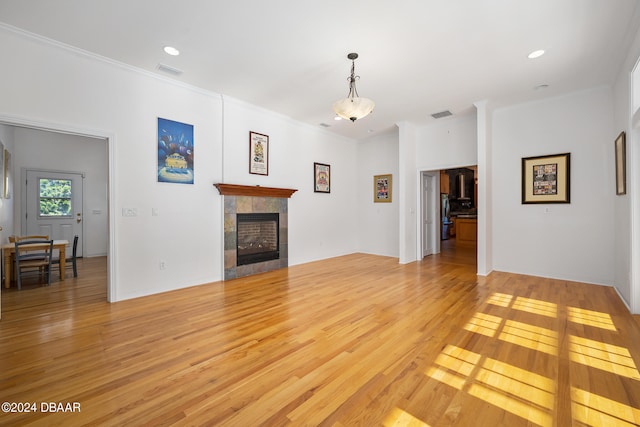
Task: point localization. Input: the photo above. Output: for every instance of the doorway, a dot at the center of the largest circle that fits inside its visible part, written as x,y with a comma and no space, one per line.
93,149
54,206
442,200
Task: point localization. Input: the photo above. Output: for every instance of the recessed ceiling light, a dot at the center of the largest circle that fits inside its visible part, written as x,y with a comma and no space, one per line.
536,54
171,50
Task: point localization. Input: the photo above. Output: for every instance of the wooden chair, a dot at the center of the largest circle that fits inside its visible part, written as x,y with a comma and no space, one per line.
72,259
28,260
30,238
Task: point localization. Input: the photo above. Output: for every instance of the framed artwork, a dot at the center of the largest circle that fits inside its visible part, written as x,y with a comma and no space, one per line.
258,153
546,179
8,178
321,178
175,152
382,186
621,164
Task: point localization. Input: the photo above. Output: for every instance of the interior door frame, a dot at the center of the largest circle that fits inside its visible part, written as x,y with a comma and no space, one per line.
23,197
433,206
110,140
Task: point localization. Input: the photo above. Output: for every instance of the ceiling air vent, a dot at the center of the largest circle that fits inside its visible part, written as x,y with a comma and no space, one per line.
169,70
441,114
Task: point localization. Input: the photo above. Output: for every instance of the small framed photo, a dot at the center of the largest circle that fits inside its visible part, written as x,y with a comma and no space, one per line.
621,164
321,178
258,153
546,179
382,188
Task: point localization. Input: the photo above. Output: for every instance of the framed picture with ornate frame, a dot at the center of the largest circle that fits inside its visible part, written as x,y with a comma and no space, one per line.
621,164
546,179
258,153
382,188
321,178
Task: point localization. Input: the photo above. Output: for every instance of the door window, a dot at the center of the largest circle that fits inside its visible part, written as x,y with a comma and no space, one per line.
54,198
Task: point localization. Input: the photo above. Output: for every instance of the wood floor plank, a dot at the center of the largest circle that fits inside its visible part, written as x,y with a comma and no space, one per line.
357,340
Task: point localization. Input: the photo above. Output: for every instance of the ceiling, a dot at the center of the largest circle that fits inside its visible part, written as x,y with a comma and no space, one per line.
417,57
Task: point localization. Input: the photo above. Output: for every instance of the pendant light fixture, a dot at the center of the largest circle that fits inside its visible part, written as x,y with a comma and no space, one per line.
353,107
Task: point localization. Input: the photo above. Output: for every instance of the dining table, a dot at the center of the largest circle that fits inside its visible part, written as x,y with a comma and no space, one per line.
9,249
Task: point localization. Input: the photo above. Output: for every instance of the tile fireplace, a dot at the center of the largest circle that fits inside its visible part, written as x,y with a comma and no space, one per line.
255,229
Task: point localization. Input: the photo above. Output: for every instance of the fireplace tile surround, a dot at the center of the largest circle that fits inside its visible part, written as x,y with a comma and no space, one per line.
235,204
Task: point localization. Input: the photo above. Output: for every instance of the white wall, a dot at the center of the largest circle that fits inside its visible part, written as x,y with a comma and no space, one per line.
53,87
64,89
566,241
622,203
321,225
448,143
6,205
627,207
378,222
441,145
408,191
36,149
484,118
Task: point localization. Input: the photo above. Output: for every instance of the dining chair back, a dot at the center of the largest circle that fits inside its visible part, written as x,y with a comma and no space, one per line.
34,253
29,260
73,259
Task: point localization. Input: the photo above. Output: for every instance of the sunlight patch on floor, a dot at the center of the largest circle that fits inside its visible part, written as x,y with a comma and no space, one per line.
523,393
400,418
591,318
484,324
529,336
594,410
606,357
535,306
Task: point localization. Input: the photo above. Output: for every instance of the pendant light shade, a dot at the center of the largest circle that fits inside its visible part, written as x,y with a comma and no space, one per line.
353,107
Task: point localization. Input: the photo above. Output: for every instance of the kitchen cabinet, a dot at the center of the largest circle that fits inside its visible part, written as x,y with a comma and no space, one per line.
444,182
466,230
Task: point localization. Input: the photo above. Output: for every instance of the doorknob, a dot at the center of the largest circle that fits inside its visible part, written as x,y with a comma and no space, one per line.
78,217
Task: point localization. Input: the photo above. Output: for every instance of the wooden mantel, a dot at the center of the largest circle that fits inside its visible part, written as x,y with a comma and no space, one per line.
254,191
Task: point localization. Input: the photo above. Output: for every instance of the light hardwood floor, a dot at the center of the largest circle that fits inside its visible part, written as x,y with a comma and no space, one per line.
357,340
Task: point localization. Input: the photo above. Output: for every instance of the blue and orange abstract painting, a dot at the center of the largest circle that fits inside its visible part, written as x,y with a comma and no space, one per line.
175,152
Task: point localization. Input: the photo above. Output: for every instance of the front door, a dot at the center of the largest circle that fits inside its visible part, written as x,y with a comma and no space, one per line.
54,206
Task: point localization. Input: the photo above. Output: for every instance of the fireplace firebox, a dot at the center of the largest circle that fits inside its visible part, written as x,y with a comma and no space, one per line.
258,237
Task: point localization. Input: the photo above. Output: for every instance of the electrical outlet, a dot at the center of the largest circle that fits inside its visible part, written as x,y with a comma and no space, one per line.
162,265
